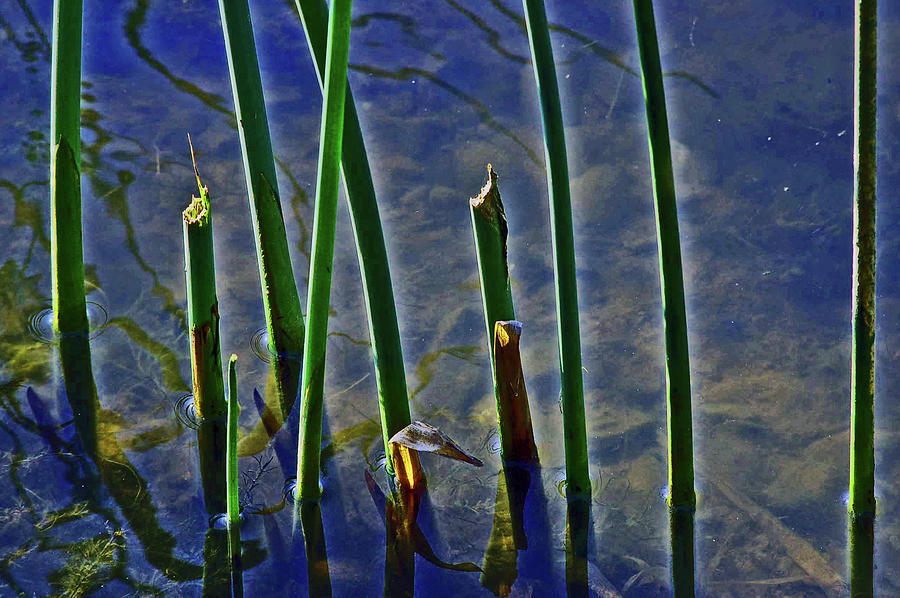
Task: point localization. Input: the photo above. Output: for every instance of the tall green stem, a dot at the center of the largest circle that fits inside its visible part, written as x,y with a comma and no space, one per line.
678,371
327,183
232,507
862,362
578,483
66,245
281,301
393,396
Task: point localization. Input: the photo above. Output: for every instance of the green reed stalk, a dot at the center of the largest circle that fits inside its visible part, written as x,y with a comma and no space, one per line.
231,458
393,395
322,257
284,319
578,482
861,507
66,249
678,371
203,306
232,506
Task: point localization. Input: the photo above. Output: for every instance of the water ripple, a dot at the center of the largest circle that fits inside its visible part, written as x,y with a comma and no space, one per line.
40,323
259,344
186,412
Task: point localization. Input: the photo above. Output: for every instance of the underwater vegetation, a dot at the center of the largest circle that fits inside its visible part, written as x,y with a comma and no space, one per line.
627,378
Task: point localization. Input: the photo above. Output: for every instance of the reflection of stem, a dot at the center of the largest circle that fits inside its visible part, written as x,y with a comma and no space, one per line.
862,555
134,20
520,505
101,446
236,560
681,528
400,554
316,555
216,581
578,527
480,108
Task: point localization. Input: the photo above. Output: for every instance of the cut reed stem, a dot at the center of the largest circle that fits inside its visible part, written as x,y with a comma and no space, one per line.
284,318
678,372
321,261
66,244
578,484
393,395
203,306
491,232
861,507
513,413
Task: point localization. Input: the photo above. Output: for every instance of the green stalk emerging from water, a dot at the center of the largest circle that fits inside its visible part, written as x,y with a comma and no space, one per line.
393,395
578,484
678,372
203,306
66,245
862,362
231,460
328,181
232,508
281,301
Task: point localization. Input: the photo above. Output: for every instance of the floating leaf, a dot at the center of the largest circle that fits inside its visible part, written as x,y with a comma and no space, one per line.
423,437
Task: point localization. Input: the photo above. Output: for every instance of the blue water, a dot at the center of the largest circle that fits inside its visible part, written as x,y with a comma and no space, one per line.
760,111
